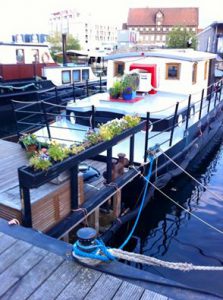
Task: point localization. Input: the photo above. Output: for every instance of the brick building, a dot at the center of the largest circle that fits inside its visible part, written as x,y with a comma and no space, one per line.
153,24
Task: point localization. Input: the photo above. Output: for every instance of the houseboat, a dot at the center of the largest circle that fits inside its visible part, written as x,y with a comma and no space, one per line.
180,106
177,96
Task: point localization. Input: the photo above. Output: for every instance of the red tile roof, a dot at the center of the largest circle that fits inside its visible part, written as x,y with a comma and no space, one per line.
187,16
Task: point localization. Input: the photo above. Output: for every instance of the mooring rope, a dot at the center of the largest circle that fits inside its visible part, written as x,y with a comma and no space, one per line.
98,252
183,208
147,178
193,178
186,210
148,260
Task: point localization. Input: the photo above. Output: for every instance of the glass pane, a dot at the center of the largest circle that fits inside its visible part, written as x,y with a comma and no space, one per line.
85,74
20,56
172,72
66,77
76,75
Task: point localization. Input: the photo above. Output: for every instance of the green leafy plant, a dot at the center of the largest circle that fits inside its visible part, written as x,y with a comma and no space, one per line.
57,152
28,140
109,130
40,162
131,121
130,82
75,149
116,90
93,137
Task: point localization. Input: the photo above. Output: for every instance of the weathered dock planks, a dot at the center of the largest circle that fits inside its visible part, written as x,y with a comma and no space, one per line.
31,272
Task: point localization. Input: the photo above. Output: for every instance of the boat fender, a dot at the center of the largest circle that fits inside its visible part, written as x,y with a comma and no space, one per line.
45,57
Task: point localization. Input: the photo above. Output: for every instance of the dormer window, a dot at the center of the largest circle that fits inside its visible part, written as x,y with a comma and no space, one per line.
159,18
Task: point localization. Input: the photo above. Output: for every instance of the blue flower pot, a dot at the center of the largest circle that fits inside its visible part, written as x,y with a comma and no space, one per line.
129,96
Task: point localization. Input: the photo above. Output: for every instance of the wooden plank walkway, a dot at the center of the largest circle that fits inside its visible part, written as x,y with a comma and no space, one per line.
28,271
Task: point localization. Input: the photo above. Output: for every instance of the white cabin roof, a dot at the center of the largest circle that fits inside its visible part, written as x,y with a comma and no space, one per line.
180,54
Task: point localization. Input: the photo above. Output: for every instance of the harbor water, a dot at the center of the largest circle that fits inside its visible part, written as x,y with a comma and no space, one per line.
169,233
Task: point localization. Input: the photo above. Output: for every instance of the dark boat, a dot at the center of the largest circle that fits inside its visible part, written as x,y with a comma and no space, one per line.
28,73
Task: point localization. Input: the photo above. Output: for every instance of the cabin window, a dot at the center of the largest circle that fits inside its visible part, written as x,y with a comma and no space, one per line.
35,53
66,78
194,73
85,74
118,68
173,71
20,58
76,75
206,70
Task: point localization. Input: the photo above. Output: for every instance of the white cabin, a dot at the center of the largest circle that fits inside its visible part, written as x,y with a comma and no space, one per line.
166,70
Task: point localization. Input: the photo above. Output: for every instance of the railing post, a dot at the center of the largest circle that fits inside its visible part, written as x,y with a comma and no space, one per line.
100,83
216,96
45,119
201,104
188,112
74,187
146,136
109,165
173,125
26,205
74,92
220,91
87,88
93,117
15,117
131,149
57,100
209,99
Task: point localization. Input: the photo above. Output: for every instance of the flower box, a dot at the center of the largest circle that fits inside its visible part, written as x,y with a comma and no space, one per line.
31,179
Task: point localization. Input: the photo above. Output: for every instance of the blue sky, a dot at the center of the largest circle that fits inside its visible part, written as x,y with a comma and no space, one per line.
29,16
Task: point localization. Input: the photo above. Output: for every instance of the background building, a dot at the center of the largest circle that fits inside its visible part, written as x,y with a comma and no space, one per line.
91,34
153,24
211,40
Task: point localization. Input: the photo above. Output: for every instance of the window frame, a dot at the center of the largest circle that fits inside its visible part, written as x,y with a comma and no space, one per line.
206,67
178,66
22,60
62,77
116,67
194,73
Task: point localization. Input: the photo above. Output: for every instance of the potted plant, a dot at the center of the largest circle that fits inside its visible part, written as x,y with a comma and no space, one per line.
40,161
116,90
130,84
29,142
57,152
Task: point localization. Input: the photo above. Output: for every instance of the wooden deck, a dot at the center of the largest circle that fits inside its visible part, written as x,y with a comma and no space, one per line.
28,271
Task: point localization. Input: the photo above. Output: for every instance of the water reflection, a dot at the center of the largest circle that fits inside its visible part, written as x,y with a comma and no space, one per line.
167,232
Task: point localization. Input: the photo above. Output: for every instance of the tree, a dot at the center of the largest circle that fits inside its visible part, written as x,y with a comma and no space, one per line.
55,42
179,37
